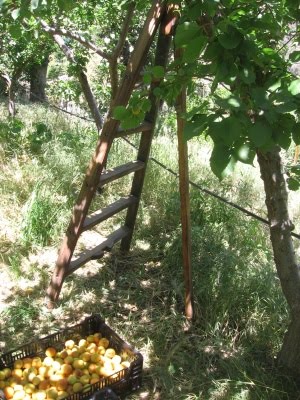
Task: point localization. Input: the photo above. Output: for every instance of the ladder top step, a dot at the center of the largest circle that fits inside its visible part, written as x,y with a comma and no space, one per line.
108,211
98,251
110,175
144,127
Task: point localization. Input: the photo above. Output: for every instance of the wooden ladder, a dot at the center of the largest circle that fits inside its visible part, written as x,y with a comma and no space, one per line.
96,176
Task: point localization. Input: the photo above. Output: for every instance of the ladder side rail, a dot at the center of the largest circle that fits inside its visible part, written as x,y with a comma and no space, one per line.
161,58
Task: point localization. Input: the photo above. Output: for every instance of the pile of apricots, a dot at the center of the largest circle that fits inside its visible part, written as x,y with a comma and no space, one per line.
61,373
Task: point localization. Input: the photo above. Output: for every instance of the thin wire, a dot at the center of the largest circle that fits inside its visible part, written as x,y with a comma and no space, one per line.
195,185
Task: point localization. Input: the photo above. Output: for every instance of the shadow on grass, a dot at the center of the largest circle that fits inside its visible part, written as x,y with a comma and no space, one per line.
227,353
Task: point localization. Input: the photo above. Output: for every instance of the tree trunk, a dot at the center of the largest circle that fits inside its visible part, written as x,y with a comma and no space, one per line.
38,80
284,254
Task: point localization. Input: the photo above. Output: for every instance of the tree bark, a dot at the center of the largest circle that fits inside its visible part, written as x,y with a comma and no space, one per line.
284,254
38,81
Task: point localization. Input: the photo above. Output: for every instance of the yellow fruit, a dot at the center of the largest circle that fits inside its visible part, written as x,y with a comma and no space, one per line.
62,384
90,339
50,352
101,350
39,395
92,367
92,348
82,343
66,369
48,361
79,364
77,387
105,372
8,392
2,384
19,395
94,380
104,342
97,337
84,379
27,362
18,387
36,362
51,393
116,360
68,360
69,344
17,372
95,357
56,365
62,395
62,354
36,381
7,372
110,353
18,364
29,388
44,385
72,379
2,375
86,356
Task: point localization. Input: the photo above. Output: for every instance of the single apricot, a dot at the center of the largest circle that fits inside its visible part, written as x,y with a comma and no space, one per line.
27,362
104,342
69,344
77,387
18,364
36,362
8,392
50,352
66,369
62,384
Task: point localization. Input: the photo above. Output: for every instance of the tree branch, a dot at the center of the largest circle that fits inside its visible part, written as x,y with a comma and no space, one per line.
87,91
113,62
86,43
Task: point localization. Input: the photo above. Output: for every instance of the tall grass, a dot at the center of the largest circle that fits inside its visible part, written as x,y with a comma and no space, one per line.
229,352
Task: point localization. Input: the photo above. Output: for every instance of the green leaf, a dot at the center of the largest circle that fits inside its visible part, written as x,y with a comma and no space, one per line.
120,112
221,162
293,184
230,39
132,121
185,33
244,153
247,75
195,126
294,87
194,49
296,133
283,139
147,78
226,131
229,103
158,71
15,30
260,97
260,133
295,56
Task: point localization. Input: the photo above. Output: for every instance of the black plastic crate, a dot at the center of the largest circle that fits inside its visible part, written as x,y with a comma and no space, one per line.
122,382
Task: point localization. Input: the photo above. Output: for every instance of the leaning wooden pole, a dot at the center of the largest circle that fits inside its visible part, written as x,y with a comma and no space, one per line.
185,204
95,168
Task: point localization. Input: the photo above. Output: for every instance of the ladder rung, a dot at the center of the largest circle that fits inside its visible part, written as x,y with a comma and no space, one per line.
114,173
107,212
99,250
144,127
